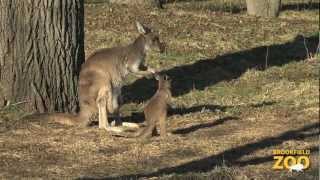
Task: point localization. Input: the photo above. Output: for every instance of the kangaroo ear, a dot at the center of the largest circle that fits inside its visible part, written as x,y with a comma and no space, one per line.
167,78
157,76
141,28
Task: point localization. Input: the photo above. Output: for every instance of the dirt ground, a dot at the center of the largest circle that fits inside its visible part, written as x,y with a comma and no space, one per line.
242,86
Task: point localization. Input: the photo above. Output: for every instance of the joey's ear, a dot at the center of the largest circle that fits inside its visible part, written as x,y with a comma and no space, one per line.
141,28
167,78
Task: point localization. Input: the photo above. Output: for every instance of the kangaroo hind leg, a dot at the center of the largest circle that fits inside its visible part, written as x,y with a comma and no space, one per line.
102,107
114,107
147,131
103,100
163,127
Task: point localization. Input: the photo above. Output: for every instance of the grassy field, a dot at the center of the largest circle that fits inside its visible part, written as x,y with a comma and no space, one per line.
242,87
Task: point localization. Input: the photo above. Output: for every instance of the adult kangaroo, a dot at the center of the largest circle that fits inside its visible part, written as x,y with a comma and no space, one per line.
102,75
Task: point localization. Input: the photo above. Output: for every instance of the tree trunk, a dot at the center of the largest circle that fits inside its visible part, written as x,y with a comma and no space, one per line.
41,50
264,8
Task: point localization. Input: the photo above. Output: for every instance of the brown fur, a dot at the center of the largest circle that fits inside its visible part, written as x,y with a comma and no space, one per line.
62,118
102,75
155,111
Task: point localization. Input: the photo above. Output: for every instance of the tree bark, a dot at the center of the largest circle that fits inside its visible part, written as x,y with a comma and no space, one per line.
264,8
41,50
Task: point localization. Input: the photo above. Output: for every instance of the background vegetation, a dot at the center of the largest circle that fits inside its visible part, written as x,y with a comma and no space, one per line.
242,86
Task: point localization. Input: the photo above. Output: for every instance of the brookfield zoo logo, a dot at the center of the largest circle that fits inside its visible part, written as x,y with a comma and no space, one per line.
292,160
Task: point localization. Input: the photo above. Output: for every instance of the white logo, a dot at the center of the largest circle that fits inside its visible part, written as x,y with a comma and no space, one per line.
296,167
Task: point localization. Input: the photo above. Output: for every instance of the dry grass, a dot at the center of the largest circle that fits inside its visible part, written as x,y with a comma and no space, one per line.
230,108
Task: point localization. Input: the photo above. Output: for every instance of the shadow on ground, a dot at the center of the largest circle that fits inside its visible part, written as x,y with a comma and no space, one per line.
207,72
138,117
301,6
232,156
203,125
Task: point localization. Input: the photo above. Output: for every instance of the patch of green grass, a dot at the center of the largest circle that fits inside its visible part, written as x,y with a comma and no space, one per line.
280,86
171,58
95,1
182,153
9,116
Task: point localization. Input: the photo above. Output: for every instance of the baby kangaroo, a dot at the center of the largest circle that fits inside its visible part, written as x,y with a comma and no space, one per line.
155,111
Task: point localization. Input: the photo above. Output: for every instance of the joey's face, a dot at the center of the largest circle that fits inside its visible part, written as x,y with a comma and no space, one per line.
167,81
164,81
167,85
164,85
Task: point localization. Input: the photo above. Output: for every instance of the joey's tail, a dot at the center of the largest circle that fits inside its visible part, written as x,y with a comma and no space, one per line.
61,118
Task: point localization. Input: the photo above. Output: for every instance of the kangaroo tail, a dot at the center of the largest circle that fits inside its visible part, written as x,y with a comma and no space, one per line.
127,134
61,118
